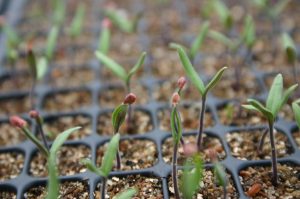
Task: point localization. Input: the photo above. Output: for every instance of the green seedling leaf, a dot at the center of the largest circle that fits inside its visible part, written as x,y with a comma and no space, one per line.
223,13
53,185
12,36
104,41
296,110
110,155
36,141
267,113
139,63
91,167
250,107
176,127
220,174
112,65
42,66
221,38
189,69
191,177
118,116
197,43
287,94
76,25
51,42
59,8
214,80
127,194
248,34
278,8
260,3
32,64
289,47
120,21
274,98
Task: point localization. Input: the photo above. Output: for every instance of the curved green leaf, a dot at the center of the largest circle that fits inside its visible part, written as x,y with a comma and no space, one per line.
51,42
91,167
197,43
296,110
42,67
248,34
176,127
267,113
126,194
139,63
112,65
289,47
118,116
278,8
32,64
287,94
110,155
189,69
53,184
223,13
214,80
104,41
220,174
76,25
120,21
221,38
275,94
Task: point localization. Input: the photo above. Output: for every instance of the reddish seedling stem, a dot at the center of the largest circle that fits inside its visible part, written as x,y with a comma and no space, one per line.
262,141
174,172
103,188
274,158
201,121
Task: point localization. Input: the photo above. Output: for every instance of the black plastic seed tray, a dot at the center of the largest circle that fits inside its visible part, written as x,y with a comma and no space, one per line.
161,170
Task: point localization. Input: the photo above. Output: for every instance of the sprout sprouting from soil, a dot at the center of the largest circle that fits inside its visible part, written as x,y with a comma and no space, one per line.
176,129
277,97
59,12
219,171
291,53
77,22
120,72
104,38
106,167
246,38
12,41
197,81
197,43
121,19
53,184
192,172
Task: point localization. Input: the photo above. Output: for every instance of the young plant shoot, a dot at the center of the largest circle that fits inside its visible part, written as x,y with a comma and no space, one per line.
197,81
291,53
59,12
176,129
120,72
277,97
53,184
192,172
296,110
104,38
197,43
77,22
107,165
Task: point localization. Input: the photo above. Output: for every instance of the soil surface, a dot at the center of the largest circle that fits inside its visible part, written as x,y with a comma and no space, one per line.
149,187
67,101
17,105
53,127
296,135
11,165
244,145
208,187
140,123
67,190
133,154
288,186
189,113
15,82
69,158
5,194
208,142
10,135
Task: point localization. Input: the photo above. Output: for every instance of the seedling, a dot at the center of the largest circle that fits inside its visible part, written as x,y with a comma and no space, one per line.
76,25
53,184
219,172
120,19
120,72
224,13
104,38
59,8
275,101
107,165
197,43
197,81
191,178
291,53
12,42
